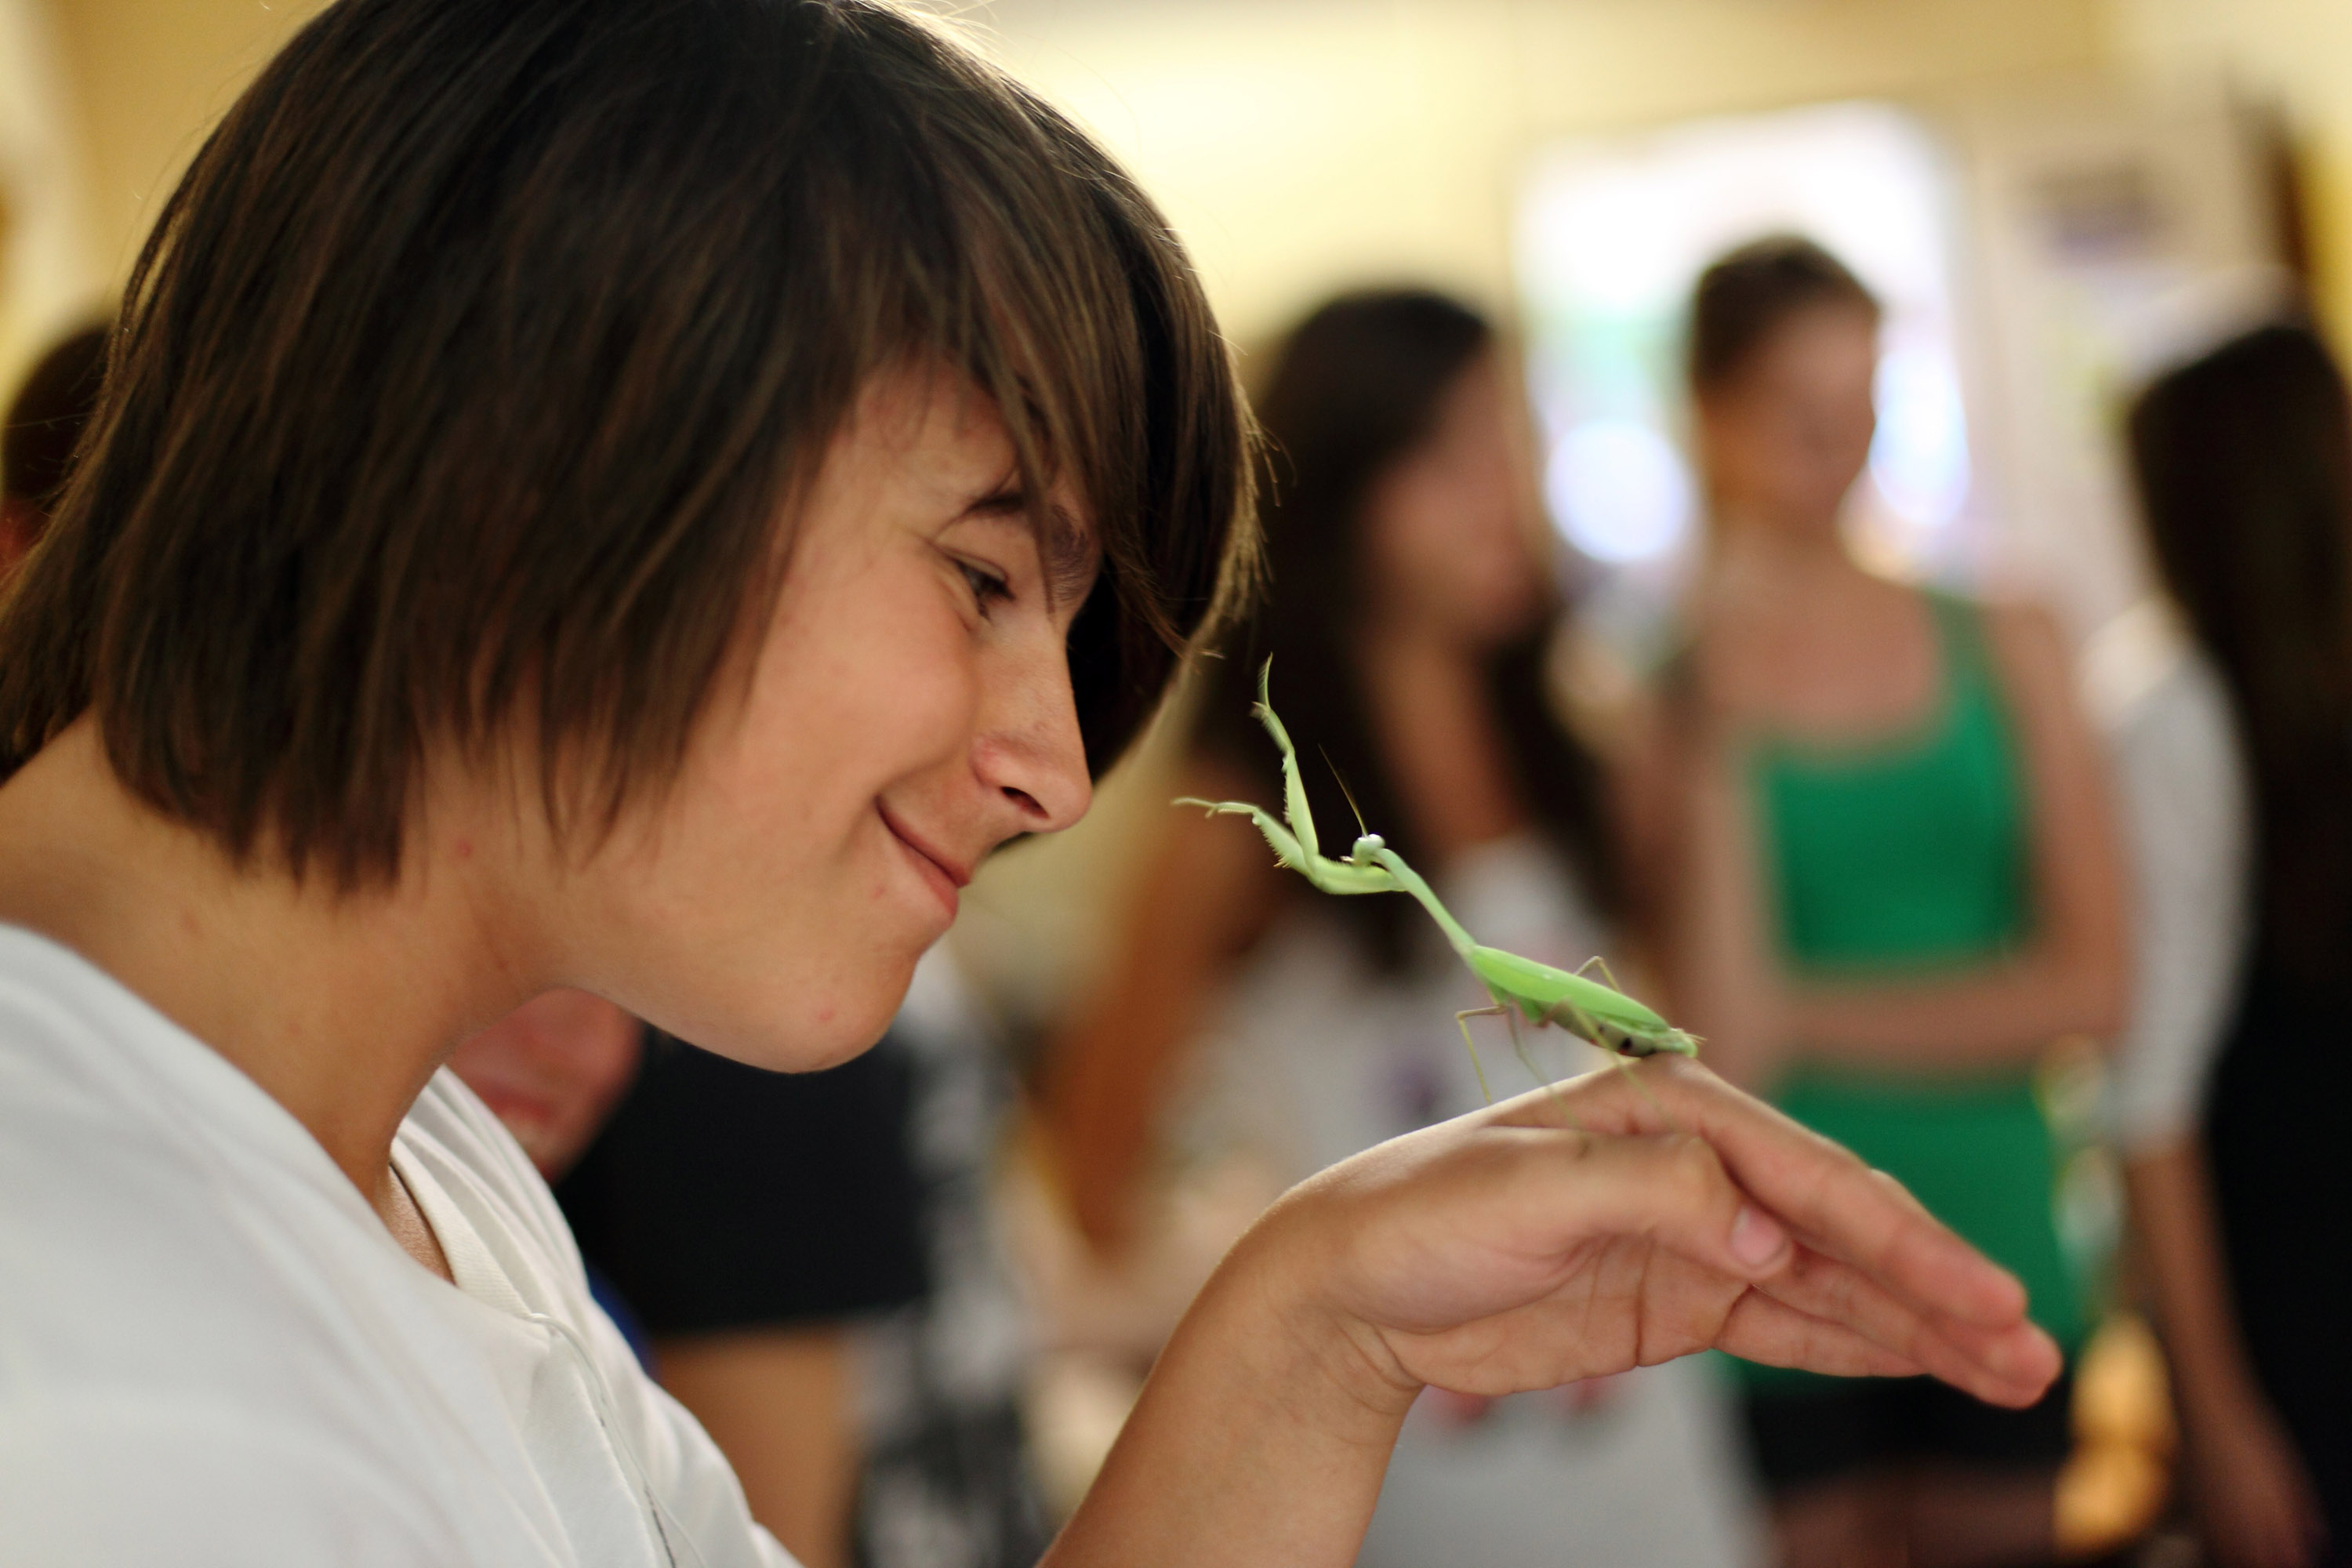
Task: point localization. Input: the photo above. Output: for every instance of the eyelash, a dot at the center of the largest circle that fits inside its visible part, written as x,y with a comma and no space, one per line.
987,588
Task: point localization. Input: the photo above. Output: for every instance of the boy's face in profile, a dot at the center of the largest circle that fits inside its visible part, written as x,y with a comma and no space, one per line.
552,1070
908,710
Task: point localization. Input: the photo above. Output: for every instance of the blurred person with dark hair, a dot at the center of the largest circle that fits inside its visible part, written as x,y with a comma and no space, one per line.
814,1256
1898,886
748,1217
1411,624
43,426
2244,465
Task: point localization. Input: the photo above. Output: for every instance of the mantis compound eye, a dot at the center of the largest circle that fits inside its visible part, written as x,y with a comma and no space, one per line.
1366,845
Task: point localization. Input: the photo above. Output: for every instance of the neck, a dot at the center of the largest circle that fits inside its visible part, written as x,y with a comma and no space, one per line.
1434,722
340,1006
1781,563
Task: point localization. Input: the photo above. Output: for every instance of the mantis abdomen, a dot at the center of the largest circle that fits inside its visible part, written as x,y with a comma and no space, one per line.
1548,995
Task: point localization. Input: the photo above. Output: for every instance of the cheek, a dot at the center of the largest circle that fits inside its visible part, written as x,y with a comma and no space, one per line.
844,709
770,915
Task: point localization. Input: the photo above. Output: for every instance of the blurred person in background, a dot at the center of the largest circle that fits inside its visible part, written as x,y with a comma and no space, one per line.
1897,887
2245,464
551,1071
1410,623
749,1216
815,1256
44,424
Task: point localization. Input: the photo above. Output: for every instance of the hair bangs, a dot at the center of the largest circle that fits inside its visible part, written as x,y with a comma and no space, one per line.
484,353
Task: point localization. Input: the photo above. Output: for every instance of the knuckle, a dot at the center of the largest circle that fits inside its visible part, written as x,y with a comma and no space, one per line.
1694,1167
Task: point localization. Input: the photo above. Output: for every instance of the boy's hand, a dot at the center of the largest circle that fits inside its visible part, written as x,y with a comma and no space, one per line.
1507,1251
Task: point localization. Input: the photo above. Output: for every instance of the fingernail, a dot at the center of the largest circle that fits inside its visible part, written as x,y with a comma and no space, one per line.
1757,1237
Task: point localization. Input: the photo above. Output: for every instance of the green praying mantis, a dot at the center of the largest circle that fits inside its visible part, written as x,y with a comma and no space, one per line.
1521,987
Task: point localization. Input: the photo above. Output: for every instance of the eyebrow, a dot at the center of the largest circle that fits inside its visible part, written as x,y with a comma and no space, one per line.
1067,547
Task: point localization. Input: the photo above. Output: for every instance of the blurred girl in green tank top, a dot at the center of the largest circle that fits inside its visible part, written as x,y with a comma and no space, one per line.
1894,884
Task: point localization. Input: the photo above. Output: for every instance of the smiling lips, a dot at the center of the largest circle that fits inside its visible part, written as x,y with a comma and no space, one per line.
944,875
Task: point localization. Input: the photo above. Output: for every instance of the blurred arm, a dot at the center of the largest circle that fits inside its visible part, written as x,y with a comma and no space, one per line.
1203,897
1691,781
778,1404
2252,1495
1724,982
2069,978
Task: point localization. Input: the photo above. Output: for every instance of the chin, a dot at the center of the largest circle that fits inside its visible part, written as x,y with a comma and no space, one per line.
786,1035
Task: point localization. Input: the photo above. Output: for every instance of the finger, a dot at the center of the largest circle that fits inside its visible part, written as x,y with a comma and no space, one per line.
1761,1329
1875,1260
1834,1203
1675,1192
1671,1190
2012,1366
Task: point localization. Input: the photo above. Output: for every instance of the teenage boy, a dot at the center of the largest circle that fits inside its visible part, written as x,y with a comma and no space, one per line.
644,495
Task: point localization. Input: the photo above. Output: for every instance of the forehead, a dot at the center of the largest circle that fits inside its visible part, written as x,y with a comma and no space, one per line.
1824,344
931,436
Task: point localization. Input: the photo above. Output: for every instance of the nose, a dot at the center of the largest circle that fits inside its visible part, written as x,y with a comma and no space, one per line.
1030,751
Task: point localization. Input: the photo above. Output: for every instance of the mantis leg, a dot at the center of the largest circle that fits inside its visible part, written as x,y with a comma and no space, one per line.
1519,1046
1590,1030
1600,963
1462,1021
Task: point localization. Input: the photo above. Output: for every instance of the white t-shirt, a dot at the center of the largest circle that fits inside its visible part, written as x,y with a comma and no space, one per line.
2187,814
213,1353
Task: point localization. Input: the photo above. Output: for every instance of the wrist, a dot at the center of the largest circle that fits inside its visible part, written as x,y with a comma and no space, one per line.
1272,1309
1263,1434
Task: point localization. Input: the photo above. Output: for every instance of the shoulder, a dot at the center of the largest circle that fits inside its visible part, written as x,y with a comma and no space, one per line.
135,1483
2023,634
2185,709
139,1166
2177,753
198,1325
2030,658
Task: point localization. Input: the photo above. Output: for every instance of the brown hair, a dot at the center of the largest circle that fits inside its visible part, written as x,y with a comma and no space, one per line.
1749,293
1356,389
469,369
2245,464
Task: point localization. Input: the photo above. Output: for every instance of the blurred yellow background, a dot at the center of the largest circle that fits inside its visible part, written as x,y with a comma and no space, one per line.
1301,143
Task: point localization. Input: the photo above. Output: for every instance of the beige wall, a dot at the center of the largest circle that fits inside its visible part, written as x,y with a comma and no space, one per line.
48,278
1299,143
148,77
2298,55
1296,142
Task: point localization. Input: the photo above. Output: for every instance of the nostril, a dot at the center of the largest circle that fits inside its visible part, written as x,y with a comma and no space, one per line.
1029,804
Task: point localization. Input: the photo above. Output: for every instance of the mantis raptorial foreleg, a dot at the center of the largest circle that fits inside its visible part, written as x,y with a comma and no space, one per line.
1598,1012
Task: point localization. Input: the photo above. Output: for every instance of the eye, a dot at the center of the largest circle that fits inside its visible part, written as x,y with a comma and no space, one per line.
988,588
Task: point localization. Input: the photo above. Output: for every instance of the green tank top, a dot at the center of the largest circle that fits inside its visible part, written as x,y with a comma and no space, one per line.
1900,857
